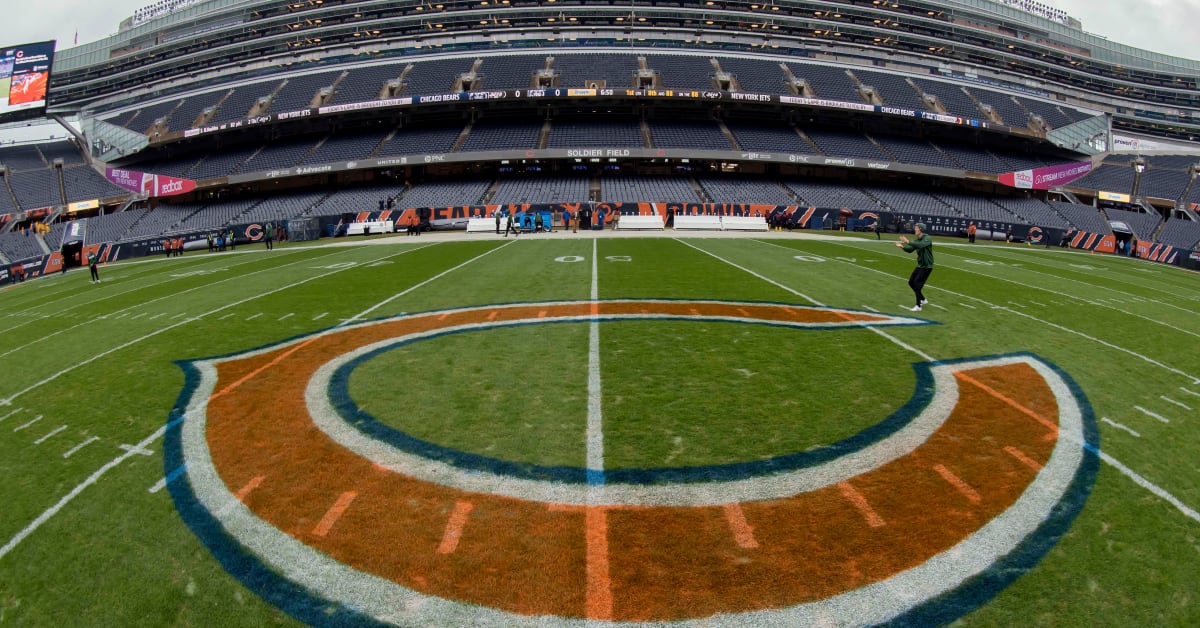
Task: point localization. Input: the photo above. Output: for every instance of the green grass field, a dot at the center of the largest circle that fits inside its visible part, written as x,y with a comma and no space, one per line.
88,536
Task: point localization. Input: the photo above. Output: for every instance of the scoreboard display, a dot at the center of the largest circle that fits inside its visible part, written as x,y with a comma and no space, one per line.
24,79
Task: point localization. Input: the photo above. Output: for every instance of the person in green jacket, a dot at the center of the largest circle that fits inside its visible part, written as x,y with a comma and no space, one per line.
923,245
92,261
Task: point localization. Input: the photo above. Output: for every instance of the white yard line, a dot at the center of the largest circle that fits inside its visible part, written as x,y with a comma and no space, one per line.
91,479
140,448
8,400
1138,479
595,416
1194,379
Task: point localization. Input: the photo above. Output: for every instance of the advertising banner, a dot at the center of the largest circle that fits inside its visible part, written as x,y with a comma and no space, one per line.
149,185
1047,177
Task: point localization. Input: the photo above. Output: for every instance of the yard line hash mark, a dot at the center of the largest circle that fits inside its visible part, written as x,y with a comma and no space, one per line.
1151,414
1178,403
76,448
21,427
47,436
1119,426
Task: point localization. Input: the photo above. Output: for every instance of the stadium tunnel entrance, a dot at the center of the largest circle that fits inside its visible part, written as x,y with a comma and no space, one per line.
72,253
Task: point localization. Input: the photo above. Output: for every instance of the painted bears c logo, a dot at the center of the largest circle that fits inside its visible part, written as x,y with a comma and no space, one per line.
337,519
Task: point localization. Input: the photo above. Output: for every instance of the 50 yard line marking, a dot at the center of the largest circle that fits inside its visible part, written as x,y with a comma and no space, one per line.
598,593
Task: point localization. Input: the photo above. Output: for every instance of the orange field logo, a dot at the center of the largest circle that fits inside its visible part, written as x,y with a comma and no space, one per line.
336,518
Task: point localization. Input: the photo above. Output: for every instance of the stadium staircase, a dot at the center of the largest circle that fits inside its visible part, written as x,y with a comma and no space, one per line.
883,149
462,137
159,126
798,86
647,142
868,93
544,135
816,150
325,95
210,112
379,147
699,190
263,104
733,143
987,111
4,174
1162,224
41,242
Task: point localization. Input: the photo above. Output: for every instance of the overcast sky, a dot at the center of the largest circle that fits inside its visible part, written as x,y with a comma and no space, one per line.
1167,26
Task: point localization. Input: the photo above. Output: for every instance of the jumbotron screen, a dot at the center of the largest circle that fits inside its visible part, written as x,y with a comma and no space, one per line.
24,77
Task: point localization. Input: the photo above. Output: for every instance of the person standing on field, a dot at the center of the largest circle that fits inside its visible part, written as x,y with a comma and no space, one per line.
923,245
92,267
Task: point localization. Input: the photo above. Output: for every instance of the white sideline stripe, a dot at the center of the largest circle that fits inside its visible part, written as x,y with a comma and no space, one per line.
35,420
157,315
967,305
288,315
1119,426
1151,414
870,309
11,413
940,307
138,316
226,316
1022,306
254,316
1037,303
320,316
47,436
1190,392
1178,403
595,423
66,499
9,399
179,315
76,448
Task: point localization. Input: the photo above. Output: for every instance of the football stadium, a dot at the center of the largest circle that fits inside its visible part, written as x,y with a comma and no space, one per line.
617,313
